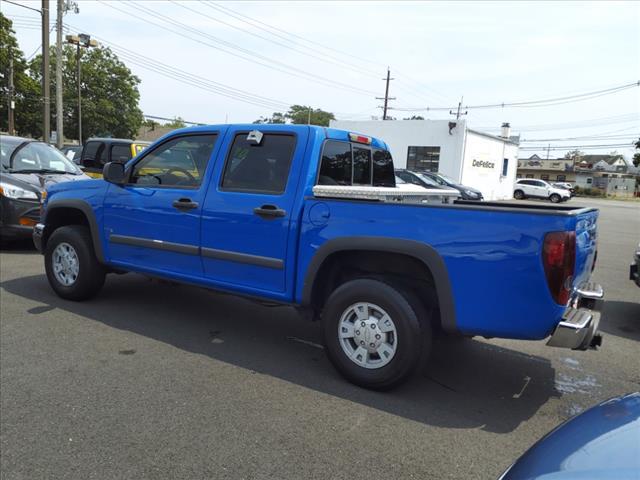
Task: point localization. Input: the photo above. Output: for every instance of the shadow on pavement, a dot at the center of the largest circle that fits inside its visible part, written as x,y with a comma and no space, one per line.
467,383
621,319
25,246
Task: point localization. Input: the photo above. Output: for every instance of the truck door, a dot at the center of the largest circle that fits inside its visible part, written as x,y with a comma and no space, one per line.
153,221
247,214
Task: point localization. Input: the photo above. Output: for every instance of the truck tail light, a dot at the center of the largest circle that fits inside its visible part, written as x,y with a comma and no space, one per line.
354,137
559,259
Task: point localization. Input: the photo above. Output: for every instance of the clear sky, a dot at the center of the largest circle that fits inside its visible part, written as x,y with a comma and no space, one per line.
333,55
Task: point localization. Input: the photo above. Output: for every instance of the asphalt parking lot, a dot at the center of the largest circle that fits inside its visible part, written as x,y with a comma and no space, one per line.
151,380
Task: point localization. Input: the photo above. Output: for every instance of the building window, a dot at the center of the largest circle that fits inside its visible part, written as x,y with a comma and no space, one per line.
423,158
505,167
544,177
518,175
589,181
561,178
529,175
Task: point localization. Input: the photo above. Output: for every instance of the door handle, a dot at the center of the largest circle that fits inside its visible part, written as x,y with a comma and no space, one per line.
269,211
184,204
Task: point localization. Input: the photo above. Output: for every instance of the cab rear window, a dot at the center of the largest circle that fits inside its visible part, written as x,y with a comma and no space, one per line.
343,163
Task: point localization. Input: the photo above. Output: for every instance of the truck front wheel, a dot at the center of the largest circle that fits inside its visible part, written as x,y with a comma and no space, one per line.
373,334
70,261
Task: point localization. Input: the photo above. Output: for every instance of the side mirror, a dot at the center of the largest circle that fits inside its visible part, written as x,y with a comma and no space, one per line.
113,172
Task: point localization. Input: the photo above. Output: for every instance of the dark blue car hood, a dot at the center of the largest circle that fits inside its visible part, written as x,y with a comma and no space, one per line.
602,443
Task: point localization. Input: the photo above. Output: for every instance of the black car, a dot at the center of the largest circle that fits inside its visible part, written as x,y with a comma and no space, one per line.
72,152
27,168
467,193
97,152
634,269
416,179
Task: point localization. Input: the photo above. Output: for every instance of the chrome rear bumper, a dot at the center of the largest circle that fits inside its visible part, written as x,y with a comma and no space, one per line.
578,328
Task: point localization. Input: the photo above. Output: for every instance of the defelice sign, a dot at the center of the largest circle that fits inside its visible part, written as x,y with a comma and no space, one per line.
483,164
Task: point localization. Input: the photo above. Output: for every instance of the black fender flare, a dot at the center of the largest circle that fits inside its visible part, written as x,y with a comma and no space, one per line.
88,212
418,250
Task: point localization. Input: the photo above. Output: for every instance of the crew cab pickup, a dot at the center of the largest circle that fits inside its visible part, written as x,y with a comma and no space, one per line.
310,217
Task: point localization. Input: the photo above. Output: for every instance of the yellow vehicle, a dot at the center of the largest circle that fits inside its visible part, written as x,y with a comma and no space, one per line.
98,151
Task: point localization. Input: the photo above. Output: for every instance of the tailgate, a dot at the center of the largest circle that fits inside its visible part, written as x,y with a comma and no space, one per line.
586,245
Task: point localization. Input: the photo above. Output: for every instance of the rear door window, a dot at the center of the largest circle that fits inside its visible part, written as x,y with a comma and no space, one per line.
336,164
361,166
383,174
259,168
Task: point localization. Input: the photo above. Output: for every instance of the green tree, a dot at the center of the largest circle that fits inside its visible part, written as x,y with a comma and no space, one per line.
276,117
414,117
302,114
27,91
636,156
109,93
178,122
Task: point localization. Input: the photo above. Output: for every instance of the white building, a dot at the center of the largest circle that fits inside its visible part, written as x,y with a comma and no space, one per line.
480,160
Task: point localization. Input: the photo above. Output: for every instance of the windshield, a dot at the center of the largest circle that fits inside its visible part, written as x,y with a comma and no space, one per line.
429,181
399,181
34,157
448,180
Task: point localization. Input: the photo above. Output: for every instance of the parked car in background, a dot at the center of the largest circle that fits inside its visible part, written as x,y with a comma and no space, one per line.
566,186
634,269
311,217
72,152
99,151
416,178
466,193
27,168
532,188
602,443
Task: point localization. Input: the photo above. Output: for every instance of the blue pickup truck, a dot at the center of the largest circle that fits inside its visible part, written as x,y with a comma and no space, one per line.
310,217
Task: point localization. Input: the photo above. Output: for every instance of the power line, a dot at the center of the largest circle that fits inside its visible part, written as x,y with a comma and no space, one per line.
166,119
594,137
578,147
328,59
594,122
534,103
193,79
270,63
284,34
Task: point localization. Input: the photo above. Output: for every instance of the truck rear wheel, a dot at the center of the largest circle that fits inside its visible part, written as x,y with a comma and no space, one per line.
70,261
373,334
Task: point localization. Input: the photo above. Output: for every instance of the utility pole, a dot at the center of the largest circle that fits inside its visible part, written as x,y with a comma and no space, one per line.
386,97
59,114
548,148
46,128
11,105
459,112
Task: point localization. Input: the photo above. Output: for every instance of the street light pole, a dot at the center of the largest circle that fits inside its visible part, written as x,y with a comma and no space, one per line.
78,53
80,40
59,115
46,128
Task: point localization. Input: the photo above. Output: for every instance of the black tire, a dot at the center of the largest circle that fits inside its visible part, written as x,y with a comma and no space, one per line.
518,195
555,198
91,273
405,310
